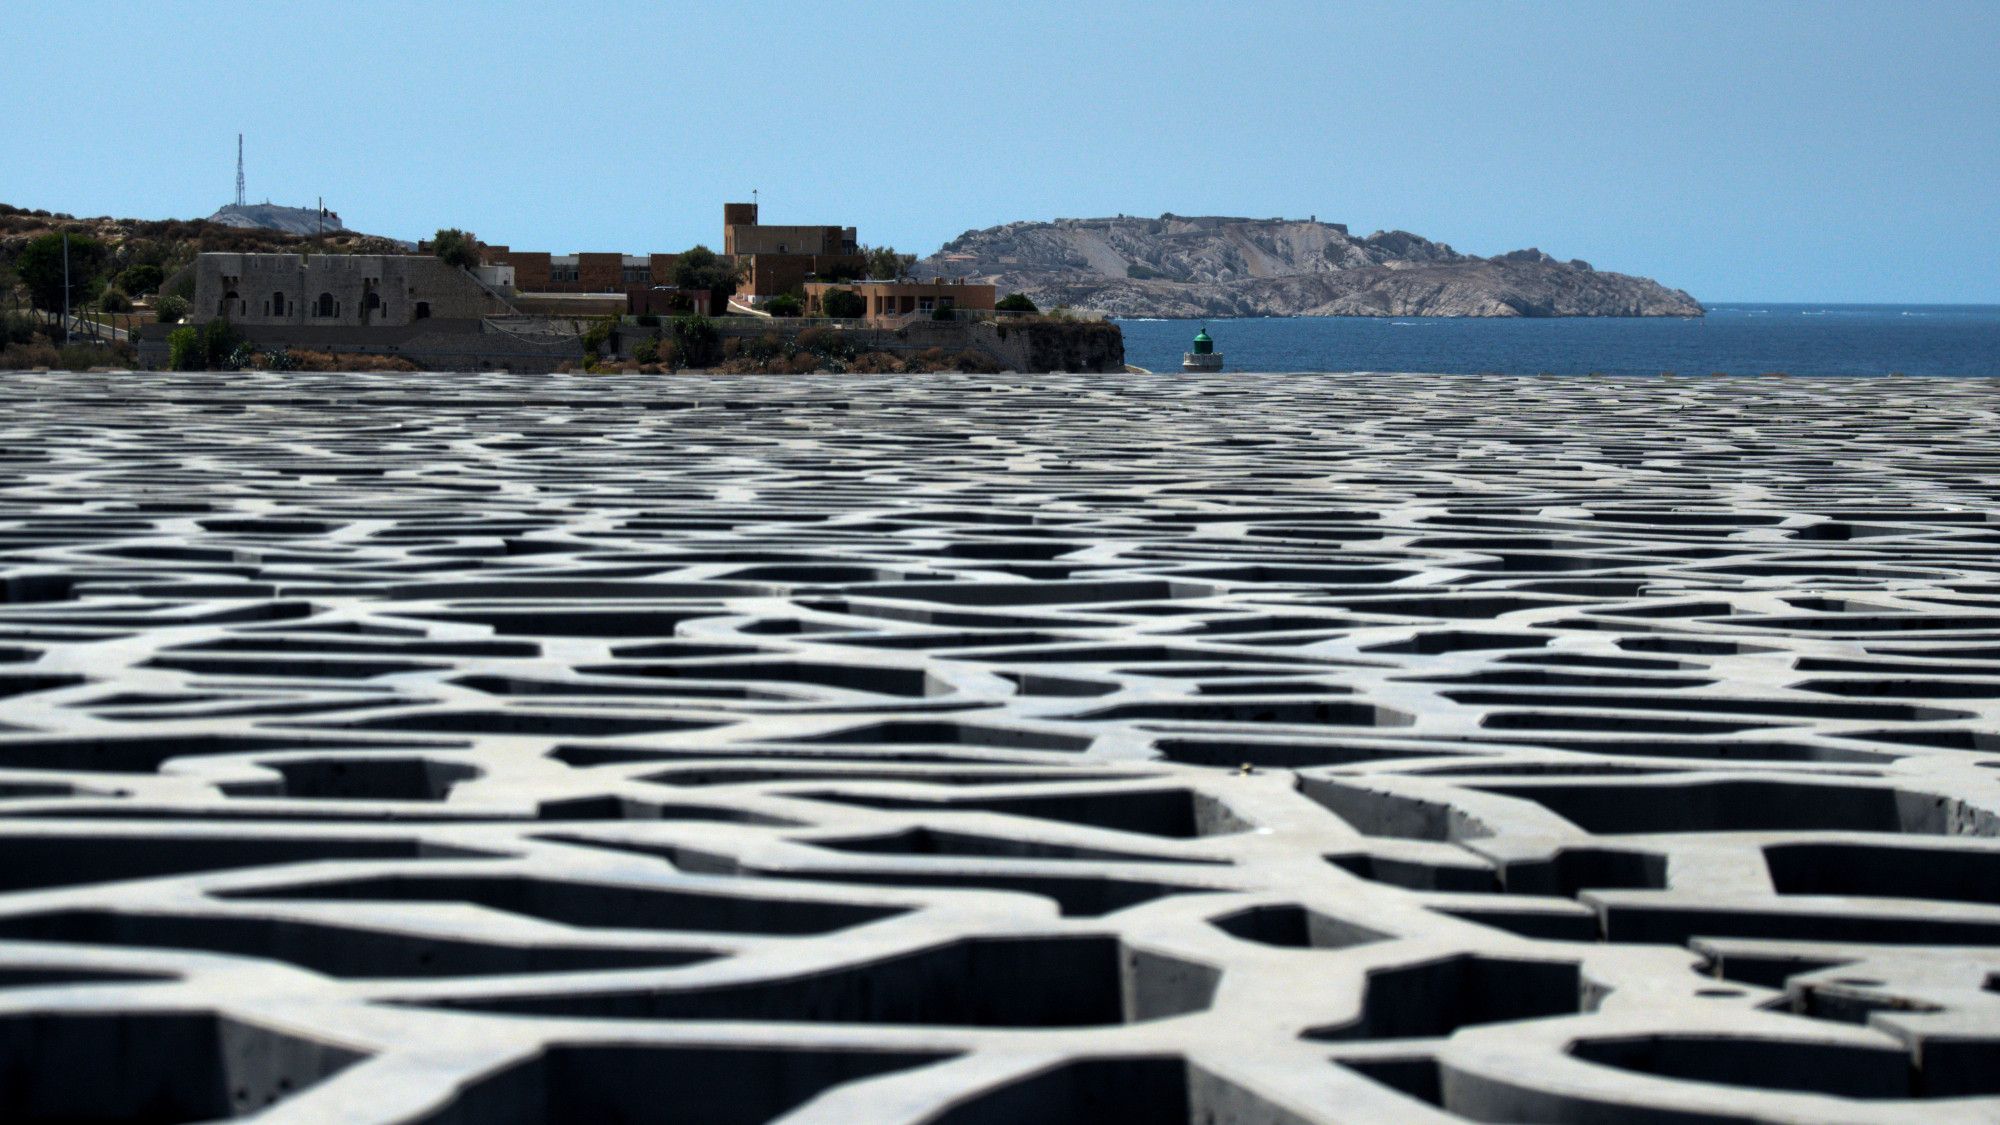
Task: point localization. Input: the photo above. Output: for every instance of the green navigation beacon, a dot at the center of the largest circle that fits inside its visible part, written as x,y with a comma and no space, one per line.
1204,357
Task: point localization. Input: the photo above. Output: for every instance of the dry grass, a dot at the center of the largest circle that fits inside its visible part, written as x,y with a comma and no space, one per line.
335,361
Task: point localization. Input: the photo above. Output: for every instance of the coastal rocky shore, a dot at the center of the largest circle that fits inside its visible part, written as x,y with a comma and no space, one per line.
1183,266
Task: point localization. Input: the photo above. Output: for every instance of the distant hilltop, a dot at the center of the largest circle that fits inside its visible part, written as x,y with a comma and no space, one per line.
1195,266
270,216
173,243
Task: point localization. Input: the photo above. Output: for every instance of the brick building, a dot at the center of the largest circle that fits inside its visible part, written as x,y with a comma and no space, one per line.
537,271
781,259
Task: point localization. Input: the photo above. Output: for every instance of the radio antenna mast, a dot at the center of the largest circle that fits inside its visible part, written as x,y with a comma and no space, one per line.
239,169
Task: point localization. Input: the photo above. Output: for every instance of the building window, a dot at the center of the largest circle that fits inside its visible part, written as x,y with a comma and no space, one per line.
925,304
326,305
277,304
222,307
423,311
371,302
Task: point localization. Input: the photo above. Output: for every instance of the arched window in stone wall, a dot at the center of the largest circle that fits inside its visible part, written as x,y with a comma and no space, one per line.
222,306
278,304
327,306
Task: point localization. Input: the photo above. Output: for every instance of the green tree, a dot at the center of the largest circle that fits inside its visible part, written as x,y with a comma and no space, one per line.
141,278
702,268
114,300
184,349
40,265
784,304
218,344
18,329
207,348
845,304
170,309
884,264
696,341
1016,302
456,247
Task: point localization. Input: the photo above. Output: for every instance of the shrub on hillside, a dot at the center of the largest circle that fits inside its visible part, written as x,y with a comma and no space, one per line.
328,361
18,329
170,309
83,357
975,363
826,343
26,357
114,301
875,363
1016,302
784,305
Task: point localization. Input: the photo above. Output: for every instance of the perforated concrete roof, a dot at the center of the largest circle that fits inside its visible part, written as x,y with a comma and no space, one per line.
1233,749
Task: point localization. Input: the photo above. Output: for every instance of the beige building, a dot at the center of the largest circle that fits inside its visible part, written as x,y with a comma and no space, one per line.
889,300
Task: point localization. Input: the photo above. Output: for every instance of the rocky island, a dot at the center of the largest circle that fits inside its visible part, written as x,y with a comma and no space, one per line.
1193,266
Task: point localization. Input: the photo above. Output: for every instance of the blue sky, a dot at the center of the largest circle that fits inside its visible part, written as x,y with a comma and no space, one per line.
1770,151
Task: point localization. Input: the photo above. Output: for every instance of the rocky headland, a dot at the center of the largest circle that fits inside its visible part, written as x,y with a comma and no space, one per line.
1195,266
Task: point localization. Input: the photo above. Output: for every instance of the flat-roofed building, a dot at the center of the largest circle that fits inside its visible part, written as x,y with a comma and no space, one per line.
338,290
890,300
781,259
537,271
743,234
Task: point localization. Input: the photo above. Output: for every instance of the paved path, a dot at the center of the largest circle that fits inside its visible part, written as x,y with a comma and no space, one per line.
457,748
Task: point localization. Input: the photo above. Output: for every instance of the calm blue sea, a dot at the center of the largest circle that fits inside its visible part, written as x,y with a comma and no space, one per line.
1744,339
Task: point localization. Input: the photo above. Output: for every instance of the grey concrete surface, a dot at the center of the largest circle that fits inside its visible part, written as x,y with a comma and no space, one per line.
1249,750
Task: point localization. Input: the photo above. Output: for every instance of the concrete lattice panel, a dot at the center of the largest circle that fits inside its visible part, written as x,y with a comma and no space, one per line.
989,749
